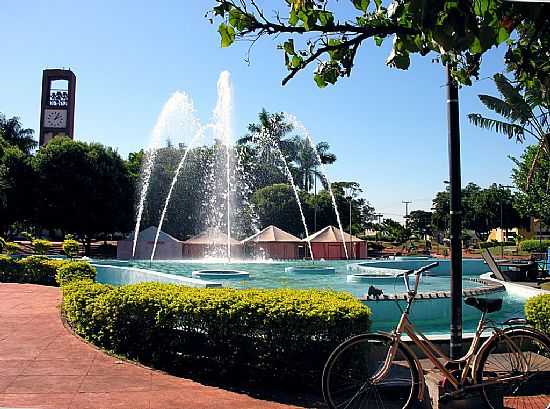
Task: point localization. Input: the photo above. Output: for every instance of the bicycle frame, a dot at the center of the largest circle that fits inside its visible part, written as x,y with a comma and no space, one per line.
439,359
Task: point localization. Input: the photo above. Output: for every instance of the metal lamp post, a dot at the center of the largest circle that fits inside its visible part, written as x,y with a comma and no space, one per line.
455,215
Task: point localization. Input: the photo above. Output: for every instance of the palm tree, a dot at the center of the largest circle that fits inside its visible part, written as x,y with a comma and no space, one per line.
13,132
525,112
307,161
270,132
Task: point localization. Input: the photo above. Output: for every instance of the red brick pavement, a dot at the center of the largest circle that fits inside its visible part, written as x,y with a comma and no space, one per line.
43,365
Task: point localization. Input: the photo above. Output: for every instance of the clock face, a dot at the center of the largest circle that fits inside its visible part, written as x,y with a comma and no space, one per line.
55,118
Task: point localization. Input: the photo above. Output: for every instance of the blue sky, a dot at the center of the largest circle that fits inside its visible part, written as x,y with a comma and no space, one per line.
387,127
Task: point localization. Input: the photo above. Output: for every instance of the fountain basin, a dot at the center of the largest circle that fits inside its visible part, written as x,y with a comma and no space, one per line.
221,274
310,269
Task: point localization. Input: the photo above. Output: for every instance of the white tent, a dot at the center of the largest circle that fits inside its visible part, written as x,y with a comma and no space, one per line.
168,247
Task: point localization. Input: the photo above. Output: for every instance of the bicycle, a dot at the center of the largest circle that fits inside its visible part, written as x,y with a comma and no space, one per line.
380,370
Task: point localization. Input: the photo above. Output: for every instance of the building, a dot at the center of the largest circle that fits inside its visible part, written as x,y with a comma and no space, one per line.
327,244
533,230
211,243
57,104
168,247
274,243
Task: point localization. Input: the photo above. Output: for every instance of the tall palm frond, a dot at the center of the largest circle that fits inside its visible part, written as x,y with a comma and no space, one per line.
521,110
13,132
508,129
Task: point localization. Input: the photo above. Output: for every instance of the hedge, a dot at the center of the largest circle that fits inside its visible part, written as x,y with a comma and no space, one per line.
281,335
537,312
74,270
43,270
491,244
534,245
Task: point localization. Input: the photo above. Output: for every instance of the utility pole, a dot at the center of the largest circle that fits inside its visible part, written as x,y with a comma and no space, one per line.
406,212
455,215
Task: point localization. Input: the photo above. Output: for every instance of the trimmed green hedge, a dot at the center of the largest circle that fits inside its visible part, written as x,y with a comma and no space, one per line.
249,334
74,270
534,245
43,270
537,311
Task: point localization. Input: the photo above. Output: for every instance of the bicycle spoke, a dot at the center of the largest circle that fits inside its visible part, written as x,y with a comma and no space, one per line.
366,358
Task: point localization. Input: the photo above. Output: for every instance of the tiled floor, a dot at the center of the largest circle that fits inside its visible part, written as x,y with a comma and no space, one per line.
43,365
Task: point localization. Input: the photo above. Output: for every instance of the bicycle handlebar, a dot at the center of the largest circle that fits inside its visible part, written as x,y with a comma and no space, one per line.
417,273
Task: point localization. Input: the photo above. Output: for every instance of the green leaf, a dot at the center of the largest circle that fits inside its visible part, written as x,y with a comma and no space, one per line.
238,19
293,18
399,60
378,4
326,18
227,34
475,47
502,35
361,4
221,9
288,46
296,61
378,40
321,83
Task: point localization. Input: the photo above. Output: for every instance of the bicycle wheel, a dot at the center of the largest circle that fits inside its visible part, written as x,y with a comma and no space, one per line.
515,368
349,372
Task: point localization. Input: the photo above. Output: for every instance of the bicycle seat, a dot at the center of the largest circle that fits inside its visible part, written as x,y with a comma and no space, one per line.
487,305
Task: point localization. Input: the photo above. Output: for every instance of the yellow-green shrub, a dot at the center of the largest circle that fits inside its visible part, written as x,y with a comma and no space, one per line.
9,269
71,247
275,334
38,270
537,312
74,270
43,270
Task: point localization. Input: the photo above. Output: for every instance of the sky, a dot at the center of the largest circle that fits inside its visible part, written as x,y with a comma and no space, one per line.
387,127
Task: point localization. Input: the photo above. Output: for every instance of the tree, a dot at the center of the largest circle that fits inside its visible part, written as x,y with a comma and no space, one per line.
533,199
457,32
84,189
17,187
307,162
526,112
276,204
481,209
395,230
262,144
13,133
420,222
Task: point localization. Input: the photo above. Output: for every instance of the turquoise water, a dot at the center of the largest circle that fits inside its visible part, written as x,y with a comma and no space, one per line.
273,275
430,316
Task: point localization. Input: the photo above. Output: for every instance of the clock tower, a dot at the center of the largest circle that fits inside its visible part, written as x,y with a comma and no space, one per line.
57,108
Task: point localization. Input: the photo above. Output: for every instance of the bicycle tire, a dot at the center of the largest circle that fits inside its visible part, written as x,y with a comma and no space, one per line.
499,359
349,360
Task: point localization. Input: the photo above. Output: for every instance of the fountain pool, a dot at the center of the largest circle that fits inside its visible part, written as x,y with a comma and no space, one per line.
431,312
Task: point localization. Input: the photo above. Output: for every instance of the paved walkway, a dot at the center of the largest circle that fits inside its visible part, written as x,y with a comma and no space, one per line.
43,365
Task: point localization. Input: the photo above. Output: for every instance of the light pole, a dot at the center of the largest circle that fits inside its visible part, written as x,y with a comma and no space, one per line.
455,215
406,203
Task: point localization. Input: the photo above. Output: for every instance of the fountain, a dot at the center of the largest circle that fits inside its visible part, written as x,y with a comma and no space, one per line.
174,115
298,125
226,183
